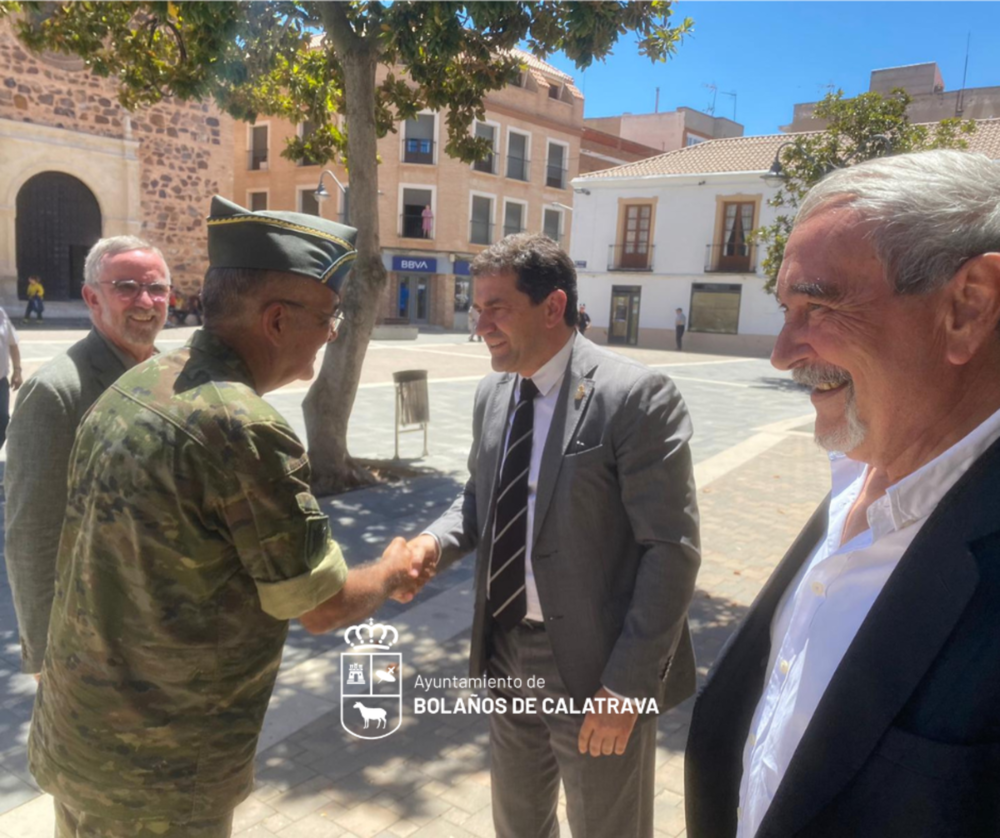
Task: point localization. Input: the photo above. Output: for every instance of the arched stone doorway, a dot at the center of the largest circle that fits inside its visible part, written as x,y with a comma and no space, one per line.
58,220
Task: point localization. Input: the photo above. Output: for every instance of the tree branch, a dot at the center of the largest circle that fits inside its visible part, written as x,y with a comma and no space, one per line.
338,27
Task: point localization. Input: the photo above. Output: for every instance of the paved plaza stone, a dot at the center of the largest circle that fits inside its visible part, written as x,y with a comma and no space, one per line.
759,477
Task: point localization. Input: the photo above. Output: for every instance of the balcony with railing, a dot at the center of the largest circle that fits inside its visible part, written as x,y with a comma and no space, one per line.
555,176
257,159
488,165
480,232
418,151
518,168
630,257
732,258
411,226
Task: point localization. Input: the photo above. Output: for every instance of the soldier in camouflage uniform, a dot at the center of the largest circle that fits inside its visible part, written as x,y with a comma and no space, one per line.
191,539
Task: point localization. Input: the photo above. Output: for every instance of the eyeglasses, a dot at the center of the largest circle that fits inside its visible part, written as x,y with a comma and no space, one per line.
334,321
129,289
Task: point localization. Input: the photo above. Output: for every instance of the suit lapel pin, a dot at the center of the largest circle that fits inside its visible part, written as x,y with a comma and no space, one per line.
581,391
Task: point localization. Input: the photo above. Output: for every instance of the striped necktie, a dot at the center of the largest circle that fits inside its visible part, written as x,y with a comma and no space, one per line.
505,592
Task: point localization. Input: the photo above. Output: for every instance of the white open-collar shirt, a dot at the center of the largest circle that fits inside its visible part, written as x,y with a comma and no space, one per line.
548,380
821,611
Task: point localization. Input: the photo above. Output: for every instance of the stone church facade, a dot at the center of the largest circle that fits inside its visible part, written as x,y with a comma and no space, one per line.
76,166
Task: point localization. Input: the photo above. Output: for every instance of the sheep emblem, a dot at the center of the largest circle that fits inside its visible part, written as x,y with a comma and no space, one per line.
371,714
371,683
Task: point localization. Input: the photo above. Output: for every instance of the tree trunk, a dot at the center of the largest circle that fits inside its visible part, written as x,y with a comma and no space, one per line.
327,406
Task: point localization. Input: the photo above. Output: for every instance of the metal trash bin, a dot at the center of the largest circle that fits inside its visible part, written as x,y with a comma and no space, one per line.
413,412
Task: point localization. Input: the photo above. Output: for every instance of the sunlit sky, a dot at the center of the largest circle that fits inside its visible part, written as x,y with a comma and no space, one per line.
775,54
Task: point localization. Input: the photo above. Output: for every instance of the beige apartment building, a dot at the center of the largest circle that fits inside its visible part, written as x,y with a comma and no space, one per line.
931,102
436,213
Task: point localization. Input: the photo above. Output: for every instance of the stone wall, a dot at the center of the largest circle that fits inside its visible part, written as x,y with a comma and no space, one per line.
184,153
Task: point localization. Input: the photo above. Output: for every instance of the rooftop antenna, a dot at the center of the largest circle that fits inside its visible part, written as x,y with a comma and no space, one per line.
733,94
656,107
715,92
960,101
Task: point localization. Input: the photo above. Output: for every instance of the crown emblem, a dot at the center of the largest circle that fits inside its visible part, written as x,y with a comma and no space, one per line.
370,634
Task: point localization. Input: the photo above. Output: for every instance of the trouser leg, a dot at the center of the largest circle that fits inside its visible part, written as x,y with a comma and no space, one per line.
610,796
524,774
606,796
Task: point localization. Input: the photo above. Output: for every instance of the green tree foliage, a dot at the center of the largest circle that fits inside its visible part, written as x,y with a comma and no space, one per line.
310,60
858,129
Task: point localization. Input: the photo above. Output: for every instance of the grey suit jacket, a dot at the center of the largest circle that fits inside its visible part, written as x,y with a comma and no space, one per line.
42,429
615,547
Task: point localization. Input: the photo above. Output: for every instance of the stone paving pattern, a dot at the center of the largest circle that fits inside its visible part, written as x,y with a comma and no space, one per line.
431,778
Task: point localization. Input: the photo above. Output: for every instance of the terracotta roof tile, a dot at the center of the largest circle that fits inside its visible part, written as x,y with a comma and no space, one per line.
541,66
754,154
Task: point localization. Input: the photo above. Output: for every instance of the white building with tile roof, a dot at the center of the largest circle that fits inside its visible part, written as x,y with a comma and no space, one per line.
671,231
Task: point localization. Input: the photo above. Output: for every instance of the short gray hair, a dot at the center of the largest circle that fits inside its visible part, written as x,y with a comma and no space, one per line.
930,212
113,246
227,291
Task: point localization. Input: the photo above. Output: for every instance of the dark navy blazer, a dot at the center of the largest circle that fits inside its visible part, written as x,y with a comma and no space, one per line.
906,740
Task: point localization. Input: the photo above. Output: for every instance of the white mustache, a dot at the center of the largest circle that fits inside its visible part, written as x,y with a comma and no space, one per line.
814,376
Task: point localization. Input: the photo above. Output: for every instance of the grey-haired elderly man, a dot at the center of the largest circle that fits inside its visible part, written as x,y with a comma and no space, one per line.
126,286
861,694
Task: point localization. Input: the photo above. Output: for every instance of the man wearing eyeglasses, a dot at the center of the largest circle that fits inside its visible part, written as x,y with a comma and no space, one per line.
191,540
126,285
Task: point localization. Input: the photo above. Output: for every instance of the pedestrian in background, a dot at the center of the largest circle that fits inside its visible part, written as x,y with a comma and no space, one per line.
680,323
36,298
10,368
582,320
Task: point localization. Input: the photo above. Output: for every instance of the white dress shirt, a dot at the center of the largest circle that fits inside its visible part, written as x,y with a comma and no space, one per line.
822,610
8,338
548,380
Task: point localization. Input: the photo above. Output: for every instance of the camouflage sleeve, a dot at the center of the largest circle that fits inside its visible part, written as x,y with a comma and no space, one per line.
281,534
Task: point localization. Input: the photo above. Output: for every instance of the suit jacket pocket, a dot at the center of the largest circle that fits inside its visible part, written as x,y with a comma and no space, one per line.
938,760
579,456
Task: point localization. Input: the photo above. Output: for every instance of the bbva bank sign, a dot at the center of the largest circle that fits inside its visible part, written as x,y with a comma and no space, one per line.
415,264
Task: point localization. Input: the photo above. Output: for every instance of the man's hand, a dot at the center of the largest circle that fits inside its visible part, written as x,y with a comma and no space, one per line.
607,733
15,379
424,555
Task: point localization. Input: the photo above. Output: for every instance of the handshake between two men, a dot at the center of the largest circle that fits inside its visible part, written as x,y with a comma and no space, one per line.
401,573
405,567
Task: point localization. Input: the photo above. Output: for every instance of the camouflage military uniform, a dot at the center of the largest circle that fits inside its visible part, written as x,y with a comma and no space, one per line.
191,538
73,824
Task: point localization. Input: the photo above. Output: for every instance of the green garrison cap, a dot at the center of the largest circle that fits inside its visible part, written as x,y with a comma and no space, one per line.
280,241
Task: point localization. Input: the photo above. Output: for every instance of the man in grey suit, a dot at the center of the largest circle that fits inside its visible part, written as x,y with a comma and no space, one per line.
126,286
581,508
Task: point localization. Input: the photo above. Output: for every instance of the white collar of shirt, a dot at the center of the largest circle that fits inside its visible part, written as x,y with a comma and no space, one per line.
551,372
915,497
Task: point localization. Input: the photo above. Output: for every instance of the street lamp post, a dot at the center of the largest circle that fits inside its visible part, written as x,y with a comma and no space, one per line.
322,194
777,176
